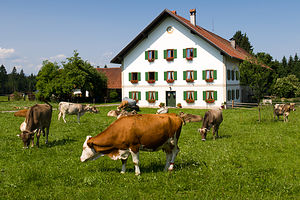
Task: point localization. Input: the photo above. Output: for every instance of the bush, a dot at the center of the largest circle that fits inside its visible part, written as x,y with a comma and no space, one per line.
17,96
113,96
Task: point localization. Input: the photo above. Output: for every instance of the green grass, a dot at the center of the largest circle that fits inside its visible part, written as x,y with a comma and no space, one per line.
251,160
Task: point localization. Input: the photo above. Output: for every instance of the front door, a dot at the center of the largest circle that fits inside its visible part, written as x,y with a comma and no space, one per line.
171,98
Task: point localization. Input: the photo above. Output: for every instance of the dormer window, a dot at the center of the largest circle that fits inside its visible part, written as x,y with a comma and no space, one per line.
189,53
170,54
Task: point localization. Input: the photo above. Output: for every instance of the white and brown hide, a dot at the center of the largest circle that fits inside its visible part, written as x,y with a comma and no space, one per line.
190,117
283,109
130,134
113,113
126,113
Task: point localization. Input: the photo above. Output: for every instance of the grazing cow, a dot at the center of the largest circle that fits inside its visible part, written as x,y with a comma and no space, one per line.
212,118
126,113
21,113
162,110
113,113
128,135
283,109
74,109
37,119
128,103
190,117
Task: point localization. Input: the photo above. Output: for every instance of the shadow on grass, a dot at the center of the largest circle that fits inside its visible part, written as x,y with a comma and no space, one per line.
60,142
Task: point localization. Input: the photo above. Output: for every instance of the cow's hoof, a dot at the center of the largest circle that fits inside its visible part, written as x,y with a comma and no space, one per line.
203,140
122,172
137,174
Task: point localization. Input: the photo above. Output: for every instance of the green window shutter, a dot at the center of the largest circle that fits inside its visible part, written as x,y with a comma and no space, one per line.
156,95
146,55
184,75
203,74
130,95
175,53
165,54
156,76
204,95
165,76
195,95
146,76
215,95
147,95
129,76
215,74
184,95
175,75
195,75
139,93
184,53
139,76
156,54
195,52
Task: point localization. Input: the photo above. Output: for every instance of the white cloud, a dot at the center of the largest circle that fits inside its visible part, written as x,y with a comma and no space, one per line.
6,53
56,58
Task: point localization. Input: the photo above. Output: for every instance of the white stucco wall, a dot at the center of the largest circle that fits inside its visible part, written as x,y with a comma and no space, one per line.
208,57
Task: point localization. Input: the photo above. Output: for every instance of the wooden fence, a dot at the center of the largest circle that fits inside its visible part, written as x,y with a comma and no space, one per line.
234,104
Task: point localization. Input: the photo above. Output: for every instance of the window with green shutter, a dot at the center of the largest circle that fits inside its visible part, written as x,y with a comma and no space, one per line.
150,77
151,96
170,76
151,55
170,54
134,77
190,96
209,75
209,96
190,53
189,76
135,95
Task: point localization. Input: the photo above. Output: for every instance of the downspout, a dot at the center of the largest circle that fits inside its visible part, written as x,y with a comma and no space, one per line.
224,80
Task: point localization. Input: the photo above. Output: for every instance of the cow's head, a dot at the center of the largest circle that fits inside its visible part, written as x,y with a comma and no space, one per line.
203,132
292,106
88,152
92,109
26,137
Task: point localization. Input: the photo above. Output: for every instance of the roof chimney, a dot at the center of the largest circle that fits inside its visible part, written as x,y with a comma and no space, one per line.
193,16
233,43
174,12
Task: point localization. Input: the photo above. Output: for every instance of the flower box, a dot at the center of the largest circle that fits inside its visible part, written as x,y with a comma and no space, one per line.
151,81
210,100
190,58
170,80
151,60
134,81
190,80
209,80
190,100
169,59
151,100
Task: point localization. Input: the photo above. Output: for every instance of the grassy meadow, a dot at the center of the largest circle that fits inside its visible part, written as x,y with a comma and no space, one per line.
251,160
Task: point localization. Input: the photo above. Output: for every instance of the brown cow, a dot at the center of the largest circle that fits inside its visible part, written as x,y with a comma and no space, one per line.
130,134
190,117
212,118
38,117
21,113
283,109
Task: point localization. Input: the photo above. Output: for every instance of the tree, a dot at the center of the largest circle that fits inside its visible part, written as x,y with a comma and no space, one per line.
3,79
257,77
242,41
287,87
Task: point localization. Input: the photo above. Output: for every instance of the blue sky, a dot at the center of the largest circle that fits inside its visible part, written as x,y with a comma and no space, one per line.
35,30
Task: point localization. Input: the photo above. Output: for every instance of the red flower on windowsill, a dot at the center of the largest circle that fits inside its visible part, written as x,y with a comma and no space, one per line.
134,81
190,58
151,60
190,100
209,80
210,100
170,80
169,59
189,80
151,100
151,81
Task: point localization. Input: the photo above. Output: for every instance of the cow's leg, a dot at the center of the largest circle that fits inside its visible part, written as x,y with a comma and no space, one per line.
47,133
64,116
78,118
38,134
123,166
175,151
59,115
135,159
168,159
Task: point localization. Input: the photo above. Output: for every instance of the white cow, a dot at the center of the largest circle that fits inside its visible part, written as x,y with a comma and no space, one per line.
74,109
162,110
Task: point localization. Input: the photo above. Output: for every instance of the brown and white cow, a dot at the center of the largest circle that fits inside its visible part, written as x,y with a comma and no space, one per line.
21,113
74,109
212,119
126,113
38,118
130,134
162,110
283,109
190,117
113,113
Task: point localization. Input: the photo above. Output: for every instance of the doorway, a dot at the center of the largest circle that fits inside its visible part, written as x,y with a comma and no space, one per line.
171,98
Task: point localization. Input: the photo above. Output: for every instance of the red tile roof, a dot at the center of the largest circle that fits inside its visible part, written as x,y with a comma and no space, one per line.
113,77
218,42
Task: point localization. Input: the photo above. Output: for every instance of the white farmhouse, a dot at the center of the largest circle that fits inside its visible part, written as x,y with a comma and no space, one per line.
173,61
